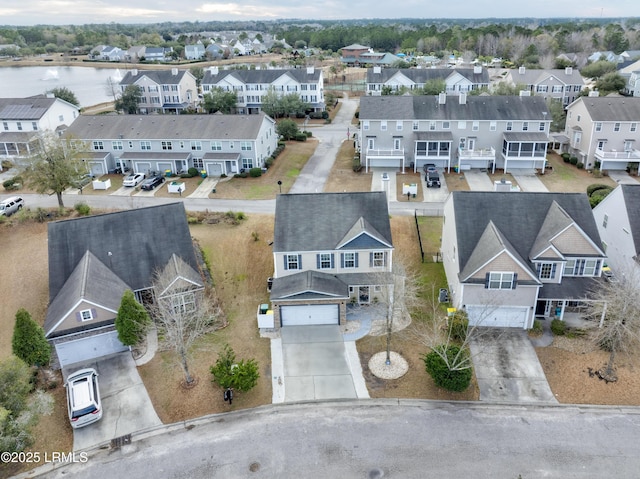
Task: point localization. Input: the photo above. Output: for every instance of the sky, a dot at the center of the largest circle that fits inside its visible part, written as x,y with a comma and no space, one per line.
76,12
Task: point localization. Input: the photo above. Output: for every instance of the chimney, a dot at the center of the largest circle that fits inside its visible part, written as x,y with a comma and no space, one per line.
525,93
377,69
50,95
522,70
174,71
568,71
462,98
594,93
134,72
442,98
477,69
214,70
310,70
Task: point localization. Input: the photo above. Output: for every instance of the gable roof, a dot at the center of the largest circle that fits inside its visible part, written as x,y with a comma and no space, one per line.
631,195
32,108
427,107
133,244
301,75
527,76
422,75
309,285
519,217
556,220
322,221
161,77
612,108
90,281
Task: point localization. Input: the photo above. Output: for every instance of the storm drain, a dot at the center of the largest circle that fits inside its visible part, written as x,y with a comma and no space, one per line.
118,442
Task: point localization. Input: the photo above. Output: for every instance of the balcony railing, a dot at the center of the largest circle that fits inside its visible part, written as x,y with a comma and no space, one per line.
631,154
387,153
480,154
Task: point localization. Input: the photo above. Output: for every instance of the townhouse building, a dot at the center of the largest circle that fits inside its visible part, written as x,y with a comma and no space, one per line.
562,85
163,91
216,144
252,85
486,132
458,80
603,132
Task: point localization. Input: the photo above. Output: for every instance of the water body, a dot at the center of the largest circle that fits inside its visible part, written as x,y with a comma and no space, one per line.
89,84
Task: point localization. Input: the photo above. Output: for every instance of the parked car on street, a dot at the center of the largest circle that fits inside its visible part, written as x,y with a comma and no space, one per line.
83,398
152,182
11,205
133,180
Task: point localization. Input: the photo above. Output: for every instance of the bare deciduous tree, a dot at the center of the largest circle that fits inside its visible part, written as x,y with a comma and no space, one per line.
182,313
616,305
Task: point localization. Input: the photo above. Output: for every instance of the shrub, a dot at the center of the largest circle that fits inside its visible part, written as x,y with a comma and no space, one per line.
580,165
357,114
325,115
223,175
452,380
255,172
241,175
227,373
28,342
573,160
240,216
83,209
12,183
300,136
268,162
537,329
308,133
594,187
131,320
565,157
458,326
192,172
597,165
558,327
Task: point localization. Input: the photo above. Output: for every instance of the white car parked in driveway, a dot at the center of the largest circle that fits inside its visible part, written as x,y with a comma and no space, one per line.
133,180
83,398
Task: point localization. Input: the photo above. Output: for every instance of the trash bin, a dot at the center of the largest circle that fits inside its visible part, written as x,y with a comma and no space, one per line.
213,190
203,173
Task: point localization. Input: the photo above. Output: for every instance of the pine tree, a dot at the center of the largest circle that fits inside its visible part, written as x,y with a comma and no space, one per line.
132,320
28,342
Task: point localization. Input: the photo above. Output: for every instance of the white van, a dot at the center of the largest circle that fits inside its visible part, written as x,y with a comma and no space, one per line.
11,205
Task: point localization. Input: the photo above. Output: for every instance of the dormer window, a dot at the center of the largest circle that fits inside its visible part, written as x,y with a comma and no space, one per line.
500,280
547,270
86,315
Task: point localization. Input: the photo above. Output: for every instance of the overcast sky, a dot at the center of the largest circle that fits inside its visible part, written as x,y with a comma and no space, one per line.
60,12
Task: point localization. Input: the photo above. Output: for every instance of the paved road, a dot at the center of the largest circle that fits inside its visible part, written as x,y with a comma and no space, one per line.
382,438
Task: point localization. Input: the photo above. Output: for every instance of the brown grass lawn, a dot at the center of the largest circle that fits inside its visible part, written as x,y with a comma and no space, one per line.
456,182
499,175
408,178
342,176
285,168
564,177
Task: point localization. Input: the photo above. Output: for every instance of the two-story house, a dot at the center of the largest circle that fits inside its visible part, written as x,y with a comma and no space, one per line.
603,132
329,249
563,85
24,119
458,80
163,91
618,220
251,85
157,54
217,144
510,257
464,132
194,52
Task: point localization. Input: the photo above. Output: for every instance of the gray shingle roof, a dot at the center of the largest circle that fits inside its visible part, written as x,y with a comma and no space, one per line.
133,244
24,108
612,108
320,221
631,194
533,76
518,216
263,76
498,108
309,285
166,127
161,77
423,75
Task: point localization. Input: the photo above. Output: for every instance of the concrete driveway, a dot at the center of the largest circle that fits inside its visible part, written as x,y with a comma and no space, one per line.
316,364
507,367
622,178
529,181
126,406
478,180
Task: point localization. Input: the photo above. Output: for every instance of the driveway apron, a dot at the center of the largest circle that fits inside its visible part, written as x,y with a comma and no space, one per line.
478,180
529,182
315,364
622,178
507,367
126,406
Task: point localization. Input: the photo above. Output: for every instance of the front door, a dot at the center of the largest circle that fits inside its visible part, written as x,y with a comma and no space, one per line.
363,294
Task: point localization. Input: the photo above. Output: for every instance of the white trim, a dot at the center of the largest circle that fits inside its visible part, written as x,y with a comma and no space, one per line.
504,250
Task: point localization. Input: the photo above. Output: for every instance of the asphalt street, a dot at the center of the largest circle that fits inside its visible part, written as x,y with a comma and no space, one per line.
380,438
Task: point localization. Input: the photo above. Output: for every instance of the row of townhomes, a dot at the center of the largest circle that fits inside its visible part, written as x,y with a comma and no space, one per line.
564,85
457,80
24,119
604,132
216,144
252,85
464,132
163,91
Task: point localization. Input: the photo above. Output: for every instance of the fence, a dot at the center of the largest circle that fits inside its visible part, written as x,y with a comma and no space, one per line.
428,256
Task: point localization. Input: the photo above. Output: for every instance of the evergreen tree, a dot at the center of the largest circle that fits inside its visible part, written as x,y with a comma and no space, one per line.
28,342
241,376
132,320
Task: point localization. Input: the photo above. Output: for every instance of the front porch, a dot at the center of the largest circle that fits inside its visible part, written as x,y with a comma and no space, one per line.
617,160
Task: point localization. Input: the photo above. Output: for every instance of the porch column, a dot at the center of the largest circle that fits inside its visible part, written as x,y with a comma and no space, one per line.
564,304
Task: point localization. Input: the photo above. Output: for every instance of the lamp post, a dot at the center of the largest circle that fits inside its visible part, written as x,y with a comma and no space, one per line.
280,185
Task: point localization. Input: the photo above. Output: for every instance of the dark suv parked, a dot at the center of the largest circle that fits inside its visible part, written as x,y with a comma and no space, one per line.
433,179
151,183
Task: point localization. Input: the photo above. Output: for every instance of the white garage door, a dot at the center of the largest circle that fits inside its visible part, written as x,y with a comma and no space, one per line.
89,348
309,314
214,169
97,169
162,167
497,317
385,163
142,167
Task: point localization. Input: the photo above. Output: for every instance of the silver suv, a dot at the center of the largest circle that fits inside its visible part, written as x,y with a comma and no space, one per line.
11,205
83,398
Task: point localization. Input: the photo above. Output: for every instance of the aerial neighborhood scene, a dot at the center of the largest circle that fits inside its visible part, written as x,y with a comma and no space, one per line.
253,246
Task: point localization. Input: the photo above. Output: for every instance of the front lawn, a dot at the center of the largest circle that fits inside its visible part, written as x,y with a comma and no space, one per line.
564,177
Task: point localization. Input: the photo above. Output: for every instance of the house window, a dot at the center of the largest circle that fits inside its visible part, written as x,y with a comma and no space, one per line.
525,126
578,117
167,145
245,146
415,125
383,125
509,126
195,146
19,125
198,163
216,145
462,125
500,280
365,125
633,127
547,270
145,145
541,126
398,126
247,163
349,260
432,125
183,303
475,126
616,127
599,126
582,267
446,125
292,261
378,259
34,126
325,261
86,315
605,220
117,145
5,125
493,126
370,143
98,145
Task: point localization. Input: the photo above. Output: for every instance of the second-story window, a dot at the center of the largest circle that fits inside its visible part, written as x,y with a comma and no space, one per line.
98,145
292,261
166,145
349,260
500,280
